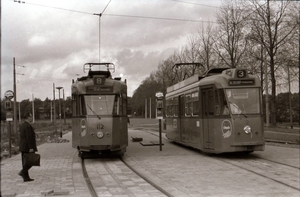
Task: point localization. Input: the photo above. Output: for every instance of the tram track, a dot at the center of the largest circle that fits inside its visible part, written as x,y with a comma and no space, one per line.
87,180
298,168
275,171
119,177
114,176
279,172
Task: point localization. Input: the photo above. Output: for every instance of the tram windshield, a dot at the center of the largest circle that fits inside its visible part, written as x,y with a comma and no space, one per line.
243,101
99,104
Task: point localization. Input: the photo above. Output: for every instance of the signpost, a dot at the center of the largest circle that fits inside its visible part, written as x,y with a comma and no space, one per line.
159,114
8,95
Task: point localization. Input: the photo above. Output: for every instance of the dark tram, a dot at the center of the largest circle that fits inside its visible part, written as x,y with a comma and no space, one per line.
217,113
99,105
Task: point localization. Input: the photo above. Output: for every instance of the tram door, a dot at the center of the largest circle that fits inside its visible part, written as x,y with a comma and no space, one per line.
207,114
181,117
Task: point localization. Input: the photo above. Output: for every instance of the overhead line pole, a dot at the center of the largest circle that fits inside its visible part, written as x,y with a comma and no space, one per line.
100,14
99,33
15,98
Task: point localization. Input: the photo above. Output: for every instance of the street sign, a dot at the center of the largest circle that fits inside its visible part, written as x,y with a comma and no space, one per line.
9,116
159,95
9,94
8,104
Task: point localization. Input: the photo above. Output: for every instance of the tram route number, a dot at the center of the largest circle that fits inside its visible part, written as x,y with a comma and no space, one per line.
99,80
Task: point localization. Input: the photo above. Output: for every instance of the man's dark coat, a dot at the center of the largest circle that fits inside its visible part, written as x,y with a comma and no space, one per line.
27,138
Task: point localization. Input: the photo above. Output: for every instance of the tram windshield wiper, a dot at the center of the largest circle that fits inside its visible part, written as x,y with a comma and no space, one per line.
94,112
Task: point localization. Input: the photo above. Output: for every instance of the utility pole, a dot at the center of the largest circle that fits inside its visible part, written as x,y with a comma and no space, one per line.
33,115
145,108
54,111
64,107
59,109
299,59
150,108
15,99
20,112
51,111
290,97
267,96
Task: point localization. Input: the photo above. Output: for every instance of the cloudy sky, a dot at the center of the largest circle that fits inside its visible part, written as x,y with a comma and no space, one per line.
52,39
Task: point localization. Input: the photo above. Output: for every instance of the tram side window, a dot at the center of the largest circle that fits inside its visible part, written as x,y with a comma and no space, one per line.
116,105
124,99
188,105
169,108
223,103
74,111
175,107
195,104
217,105
77,105
211,105
120,105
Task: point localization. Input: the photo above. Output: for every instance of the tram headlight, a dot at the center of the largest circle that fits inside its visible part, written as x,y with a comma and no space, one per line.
247,129
100,134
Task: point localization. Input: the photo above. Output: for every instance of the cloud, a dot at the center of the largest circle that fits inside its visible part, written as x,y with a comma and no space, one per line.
54,43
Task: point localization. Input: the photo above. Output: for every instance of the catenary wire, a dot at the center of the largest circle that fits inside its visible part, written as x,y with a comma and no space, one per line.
118,15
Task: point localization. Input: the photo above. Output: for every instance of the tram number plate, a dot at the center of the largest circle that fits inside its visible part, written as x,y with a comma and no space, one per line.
99,89
99,80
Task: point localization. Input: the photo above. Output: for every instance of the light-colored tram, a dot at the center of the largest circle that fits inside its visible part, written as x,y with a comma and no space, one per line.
99,107
217,113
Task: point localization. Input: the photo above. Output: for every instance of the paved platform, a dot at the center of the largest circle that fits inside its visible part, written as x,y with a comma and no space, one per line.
60,173
180,171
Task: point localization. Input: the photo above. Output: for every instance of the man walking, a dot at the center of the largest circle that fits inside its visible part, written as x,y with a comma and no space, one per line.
27,144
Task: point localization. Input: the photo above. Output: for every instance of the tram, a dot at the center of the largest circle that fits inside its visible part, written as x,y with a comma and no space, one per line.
99,111
218,112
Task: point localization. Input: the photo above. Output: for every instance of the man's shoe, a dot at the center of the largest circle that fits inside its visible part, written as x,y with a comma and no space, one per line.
21,174
29,179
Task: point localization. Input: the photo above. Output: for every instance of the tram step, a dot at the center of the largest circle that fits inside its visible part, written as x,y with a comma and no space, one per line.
136,139
150,143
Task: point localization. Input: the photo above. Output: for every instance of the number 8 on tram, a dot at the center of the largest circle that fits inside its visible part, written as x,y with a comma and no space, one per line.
99,107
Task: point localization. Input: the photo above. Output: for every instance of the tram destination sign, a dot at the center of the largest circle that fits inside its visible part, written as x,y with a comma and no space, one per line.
241,82
98,89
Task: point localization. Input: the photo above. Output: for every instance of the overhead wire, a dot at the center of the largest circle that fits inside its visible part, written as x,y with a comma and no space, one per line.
58,8
193,3
122,15
157,18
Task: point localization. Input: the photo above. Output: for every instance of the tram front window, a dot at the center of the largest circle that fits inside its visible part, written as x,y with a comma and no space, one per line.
99,104
243,101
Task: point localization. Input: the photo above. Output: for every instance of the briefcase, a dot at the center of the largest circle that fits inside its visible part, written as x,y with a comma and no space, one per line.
32,159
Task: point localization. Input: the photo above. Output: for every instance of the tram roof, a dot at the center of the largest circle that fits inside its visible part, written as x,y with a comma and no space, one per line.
220,77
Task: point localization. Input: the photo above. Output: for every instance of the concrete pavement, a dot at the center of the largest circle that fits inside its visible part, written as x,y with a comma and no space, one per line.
178,170
60,173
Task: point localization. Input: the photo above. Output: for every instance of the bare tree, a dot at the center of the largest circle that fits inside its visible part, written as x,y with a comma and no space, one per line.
272,28
230,44
206,53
